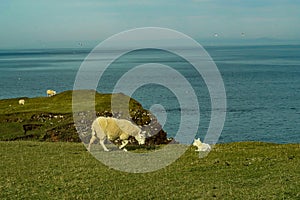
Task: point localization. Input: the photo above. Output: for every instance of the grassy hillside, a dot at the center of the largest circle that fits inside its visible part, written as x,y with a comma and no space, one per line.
51,118
35,170
56,170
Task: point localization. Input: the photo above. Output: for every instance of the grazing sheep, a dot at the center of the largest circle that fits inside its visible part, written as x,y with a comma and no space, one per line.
51,93
201,146
111,128
21,101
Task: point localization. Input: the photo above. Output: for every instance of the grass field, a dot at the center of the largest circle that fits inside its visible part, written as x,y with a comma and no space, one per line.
30,169
247,170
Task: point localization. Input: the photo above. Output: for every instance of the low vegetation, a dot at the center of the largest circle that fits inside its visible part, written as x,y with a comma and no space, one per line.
247,170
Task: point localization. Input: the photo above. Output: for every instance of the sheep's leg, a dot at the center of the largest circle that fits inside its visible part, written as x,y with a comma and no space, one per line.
93,139
102,144
124,143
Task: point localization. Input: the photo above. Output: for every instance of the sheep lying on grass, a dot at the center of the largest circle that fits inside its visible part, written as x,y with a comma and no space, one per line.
201,146
111,128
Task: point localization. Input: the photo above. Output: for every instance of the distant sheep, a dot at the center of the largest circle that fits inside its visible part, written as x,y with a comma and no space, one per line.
21,101
111,128
201,146
51,93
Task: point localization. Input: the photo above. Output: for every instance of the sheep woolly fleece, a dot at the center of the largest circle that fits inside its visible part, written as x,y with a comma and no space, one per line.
112,128
201,146
50,93
117,128
21,101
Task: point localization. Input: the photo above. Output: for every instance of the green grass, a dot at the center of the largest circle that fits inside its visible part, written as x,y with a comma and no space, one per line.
63,170
60,103
246,170
46,112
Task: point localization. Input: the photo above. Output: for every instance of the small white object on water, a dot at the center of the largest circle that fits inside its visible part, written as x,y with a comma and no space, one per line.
201,146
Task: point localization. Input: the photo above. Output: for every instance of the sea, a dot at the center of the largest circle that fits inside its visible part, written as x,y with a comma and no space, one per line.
262,84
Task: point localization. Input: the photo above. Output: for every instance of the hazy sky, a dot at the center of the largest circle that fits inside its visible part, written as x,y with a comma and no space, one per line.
38,23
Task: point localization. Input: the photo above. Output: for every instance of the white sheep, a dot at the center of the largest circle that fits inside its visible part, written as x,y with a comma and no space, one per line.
21,101
201,146
111,128
51,93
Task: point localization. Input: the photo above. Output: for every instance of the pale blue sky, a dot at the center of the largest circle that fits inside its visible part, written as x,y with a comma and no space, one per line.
45,23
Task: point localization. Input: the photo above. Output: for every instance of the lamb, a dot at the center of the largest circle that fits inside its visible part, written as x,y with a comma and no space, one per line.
201,146
111,128
51,93
21,101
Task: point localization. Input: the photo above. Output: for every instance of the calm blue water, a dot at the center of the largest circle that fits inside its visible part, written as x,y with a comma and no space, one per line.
262,85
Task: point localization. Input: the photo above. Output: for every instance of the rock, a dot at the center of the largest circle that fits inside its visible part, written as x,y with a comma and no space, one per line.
29,127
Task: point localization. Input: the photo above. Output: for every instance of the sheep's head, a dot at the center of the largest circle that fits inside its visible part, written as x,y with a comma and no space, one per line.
197,142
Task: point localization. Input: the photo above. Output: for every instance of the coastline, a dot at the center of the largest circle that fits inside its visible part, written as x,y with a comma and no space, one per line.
41,110
234,170
53,119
